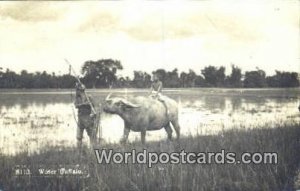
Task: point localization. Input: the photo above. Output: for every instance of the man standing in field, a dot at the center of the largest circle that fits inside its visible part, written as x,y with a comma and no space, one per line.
86,115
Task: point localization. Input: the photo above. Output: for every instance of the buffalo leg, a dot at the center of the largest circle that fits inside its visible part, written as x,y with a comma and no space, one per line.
143,136
176,127
125,135
169,131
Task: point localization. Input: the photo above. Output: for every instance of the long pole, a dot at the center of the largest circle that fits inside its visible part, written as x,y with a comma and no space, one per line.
87,97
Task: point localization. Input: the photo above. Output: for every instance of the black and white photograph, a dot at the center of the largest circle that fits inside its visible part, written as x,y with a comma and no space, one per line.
150,95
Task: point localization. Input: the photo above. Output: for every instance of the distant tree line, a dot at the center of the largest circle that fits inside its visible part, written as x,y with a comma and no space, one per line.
103,74
10,79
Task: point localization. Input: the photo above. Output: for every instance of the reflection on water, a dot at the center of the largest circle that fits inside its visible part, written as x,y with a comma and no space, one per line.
31,121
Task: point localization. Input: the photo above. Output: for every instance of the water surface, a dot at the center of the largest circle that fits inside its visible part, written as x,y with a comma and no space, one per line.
33,120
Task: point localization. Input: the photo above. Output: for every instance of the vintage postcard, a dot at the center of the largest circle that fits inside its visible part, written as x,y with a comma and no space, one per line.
150,95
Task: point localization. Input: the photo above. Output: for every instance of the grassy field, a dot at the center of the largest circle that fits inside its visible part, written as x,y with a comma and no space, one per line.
283,139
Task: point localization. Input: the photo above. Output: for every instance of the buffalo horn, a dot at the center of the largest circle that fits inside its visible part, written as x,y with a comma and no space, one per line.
129,103
108,96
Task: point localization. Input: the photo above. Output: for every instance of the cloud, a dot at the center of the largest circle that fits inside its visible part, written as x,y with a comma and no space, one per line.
148,29
155,22
158,27
102,21
242,22
30,11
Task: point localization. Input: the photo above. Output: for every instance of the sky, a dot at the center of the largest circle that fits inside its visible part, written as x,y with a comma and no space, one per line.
147,35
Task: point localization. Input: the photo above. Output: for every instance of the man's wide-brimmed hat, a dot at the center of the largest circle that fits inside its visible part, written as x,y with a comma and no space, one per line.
80,86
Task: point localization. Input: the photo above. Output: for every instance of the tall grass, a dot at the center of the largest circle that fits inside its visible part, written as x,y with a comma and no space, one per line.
284,139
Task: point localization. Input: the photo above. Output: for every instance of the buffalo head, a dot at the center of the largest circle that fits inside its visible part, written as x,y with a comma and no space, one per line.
117,105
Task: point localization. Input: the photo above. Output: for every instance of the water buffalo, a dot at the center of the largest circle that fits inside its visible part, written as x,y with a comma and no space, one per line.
141,114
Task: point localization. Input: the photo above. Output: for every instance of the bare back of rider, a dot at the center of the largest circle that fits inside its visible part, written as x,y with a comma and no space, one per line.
156,89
